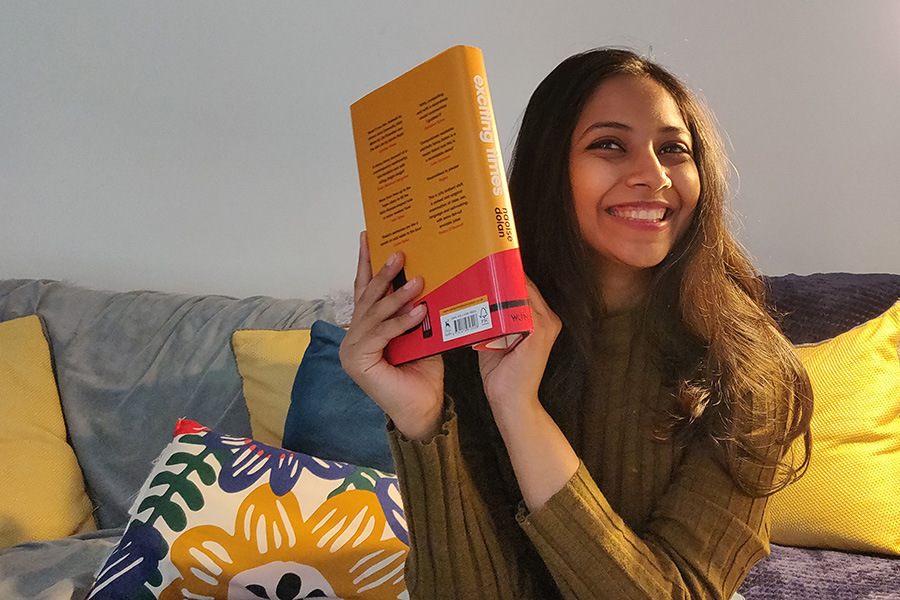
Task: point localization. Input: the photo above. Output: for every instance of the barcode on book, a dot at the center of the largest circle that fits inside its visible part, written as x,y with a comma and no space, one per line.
465,321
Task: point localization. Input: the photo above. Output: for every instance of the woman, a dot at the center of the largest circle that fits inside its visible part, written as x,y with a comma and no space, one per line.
627,448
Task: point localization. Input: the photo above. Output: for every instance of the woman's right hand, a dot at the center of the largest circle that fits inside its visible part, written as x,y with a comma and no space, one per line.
412,394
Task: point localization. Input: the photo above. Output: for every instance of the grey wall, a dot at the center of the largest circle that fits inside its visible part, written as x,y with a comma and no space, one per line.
206,146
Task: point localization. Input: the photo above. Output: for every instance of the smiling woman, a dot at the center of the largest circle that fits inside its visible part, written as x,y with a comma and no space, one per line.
628,447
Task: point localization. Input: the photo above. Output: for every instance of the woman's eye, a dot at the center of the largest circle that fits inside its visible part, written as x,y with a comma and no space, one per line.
675,148
604,144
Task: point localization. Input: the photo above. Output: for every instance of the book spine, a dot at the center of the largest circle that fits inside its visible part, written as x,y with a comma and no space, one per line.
499,227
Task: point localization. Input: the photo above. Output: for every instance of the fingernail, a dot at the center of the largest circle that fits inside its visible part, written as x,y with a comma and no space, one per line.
392,259
411,283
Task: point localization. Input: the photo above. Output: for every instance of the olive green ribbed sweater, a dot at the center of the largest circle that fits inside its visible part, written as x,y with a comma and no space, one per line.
639,519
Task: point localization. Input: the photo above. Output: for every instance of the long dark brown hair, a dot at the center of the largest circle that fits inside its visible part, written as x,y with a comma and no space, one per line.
736,376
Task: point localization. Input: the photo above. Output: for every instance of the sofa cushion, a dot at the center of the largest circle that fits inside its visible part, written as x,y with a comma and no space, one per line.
268,361
41,487
330,416
812,308
130,364
229,517
848,499
816,574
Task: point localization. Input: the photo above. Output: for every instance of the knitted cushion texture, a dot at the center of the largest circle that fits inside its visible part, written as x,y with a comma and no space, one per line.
848,499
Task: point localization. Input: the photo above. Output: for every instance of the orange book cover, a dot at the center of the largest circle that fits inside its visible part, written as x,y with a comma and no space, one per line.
434,187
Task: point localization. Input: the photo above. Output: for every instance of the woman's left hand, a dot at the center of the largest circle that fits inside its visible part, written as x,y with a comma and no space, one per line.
512,378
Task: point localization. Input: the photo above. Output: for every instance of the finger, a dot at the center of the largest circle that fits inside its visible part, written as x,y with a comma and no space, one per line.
380,284
539,306
535,299
407,307
388,329
397,303
370,339
363,268
368,314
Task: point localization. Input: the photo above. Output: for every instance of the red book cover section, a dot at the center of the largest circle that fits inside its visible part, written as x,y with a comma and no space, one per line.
434,187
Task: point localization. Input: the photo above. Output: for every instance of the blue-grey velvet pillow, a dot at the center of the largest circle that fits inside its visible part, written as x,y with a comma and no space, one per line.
330,416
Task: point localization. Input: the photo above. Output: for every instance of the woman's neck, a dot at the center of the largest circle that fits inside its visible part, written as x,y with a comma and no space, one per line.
623,287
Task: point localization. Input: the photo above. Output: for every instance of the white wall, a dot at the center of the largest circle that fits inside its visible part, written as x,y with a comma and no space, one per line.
206,146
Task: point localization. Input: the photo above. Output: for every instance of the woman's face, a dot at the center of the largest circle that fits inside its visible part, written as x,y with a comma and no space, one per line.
634,181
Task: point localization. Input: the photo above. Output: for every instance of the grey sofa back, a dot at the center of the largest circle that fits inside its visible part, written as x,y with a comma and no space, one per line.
128,365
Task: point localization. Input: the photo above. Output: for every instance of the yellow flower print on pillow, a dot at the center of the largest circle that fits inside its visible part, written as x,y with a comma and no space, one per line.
337,552
229,517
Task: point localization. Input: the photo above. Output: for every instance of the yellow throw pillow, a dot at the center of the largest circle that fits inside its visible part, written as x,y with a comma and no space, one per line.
42,493
267,362
849,498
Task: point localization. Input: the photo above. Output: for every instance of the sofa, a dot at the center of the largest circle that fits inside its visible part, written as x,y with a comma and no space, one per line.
128,365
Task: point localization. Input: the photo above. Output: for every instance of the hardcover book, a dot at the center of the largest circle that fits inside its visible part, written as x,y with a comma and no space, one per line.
434,187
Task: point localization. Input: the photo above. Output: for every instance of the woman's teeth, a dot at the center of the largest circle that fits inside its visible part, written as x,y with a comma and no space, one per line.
653,215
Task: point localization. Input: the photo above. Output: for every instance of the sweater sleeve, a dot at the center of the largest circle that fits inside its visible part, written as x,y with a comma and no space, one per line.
464,543
702,539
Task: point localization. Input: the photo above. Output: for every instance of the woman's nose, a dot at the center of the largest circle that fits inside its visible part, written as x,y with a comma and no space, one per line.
646,170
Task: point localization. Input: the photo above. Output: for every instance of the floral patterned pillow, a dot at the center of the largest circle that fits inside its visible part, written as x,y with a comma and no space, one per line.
229,517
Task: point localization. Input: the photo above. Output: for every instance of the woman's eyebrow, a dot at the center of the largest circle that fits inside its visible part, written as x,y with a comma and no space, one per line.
624,127
608,125
675,129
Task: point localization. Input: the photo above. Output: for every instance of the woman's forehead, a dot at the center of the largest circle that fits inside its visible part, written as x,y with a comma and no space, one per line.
630,101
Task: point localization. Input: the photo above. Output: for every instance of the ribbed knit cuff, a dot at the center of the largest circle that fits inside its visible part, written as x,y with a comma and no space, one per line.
579,492
396,438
